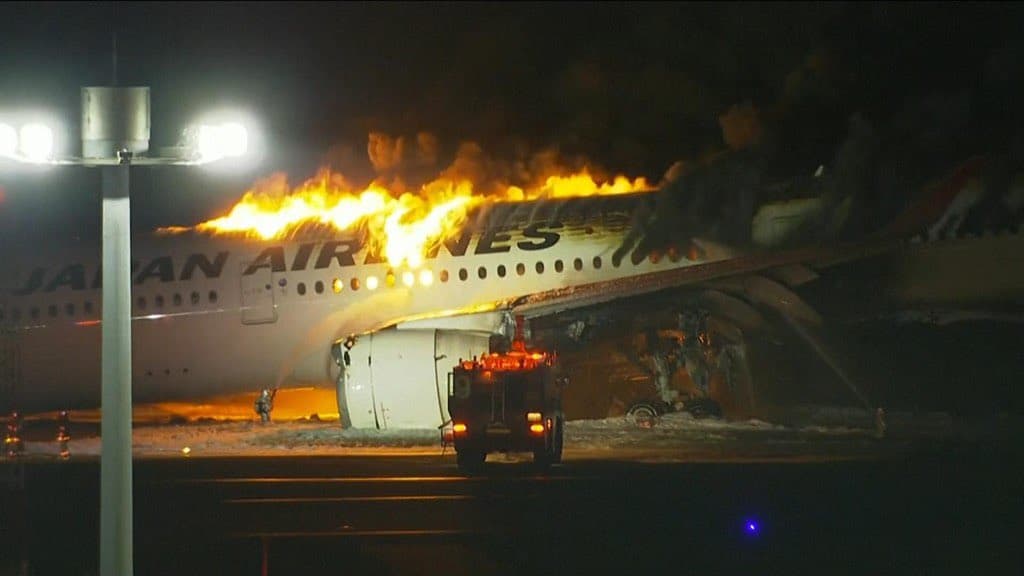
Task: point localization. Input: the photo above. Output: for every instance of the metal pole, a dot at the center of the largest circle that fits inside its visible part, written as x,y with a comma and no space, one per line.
116,428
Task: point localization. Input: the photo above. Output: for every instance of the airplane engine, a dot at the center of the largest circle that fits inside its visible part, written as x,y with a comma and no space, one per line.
399,378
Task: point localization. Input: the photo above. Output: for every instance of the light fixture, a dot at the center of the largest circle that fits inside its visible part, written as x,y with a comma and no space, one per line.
213,142
8,140
36,142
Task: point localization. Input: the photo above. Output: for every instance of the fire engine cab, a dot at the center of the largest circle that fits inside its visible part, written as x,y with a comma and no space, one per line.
507,402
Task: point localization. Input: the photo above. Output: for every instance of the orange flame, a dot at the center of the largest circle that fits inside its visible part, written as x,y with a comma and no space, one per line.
401,227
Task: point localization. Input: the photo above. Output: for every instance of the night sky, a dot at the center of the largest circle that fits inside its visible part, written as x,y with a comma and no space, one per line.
630,88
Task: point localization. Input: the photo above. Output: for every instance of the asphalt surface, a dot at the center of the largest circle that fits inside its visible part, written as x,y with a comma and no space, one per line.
949,509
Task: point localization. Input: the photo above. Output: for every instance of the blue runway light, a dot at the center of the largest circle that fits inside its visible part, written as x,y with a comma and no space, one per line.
751,527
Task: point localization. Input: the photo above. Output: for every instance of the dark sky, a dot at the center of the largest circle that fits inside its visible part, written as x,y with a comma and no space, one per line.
631,87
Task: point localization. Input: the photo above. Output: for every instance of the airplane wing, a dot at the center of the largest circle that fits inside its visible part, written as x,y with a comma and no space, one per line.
587,295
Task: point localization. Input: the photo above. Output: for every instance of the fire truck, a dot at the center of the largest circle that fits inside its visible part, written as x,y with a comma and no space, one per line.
507,401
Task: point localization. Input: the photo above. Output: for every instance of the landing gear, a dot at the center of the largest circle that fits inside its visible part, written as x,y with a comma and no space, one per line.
703,408
645,414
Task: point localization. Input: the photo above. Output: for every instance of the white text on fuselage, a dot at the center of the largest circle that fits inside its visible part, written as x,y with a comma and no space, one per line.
318,255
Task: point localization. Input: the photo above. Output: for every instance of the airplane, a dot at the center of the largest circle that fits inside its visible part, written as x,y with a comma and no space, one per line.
220,315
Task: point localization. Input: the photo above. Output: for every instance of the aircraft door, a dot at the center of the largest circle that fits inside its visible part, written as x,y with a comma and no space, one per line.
258,296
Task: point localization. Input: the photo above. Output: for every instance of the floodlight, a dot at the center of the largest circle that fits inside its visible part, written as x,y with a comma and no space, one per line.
214,142
8,140
36,142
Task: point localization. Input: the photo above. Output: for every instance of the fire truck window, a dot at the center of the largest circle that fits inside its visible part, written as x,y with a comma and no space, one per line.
540,267
444,275
301,288
520,269
597,262
501,270
354,283
463,274
559,266
481,272
577,264
319,287
69,309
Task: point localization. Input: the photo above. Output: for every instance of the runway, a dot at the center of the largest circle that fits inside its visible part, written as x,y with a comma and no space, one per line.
947,508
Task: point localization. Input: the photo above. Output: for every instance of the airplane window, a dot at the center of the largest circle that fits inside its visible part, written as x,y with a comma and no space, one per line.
213,296
501,270
444,275
141,302
540,267
319,287
34,313
577,264
520,269
463,274
88,307
616,263
195,298
355,283
53,310
69,309
159,301
337,285
597,262
559,266
301,288
481,272
389,279
177,299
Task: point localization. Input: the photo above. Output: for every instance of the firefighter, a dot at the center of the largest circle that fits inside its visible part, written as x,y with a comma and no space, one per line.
63,434
264,405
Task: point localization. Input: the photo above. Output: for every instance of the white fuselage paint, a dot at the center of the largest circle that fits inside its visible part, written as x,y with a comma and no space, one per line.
216,334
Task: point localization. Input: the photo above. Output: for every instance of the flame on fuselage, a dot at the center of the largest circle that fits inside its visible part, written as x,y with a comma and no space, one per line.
400,227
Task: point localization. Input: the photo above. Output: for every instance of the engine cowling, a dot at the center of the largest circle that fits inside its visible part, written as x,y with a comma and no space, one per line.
399,378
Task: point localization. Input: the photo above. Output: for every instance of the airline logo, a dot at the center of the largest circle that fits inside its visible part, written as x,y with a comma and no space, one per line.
311,255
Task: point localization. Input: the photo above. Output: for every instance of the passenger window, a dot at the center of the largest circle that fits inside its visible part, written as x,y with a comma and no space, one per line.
501,270
159,301
597,262
463,274
559,266
354,283
337,285
444,275
34,313
53,310
88,307
301,288
177,299
540,267
389,279
319,287
195,298
577,264
520,269
481,272
213,296
69,309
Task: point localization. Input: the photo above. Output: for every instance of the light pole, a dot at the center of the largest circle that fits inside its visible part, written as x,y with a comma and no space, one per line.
115,135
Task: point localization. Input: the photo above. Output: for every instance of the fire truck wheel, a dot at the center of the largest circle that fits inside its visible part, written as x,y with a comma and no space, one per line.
556,443
470,459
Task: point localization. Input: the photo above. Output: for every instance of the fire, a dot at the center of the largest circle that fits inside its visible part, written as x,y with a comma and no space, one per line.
401,227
